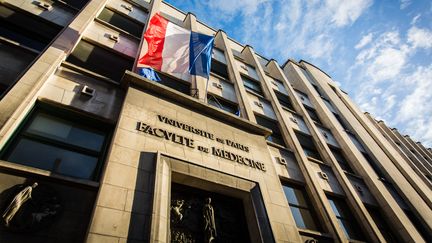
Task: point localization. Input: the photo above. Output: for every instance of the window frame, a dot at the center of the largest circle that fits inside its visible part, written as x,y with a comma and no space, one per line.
309,207
76,117
279,134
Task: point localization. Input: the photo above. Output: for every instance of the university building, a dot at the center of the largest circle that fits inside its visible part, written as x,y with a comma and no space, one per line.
266,152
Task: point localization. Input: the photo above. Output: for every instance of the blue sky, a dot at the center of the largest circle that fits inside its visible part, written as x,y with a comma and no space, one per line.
378,51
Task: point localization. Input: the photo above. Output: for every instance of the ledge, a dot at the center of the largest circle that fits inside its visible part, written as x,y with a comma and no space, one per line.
135,80
23,170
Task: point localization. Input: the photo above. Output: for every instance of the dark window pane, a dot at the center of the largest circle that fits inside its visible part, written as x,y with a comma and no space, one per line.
67,132
303,218
174,84
76,3
219,69
99,60
252,85
276,136
299,205
295,196
27,30
346,220
312,113
382,225
284,100
13,61
222,104
308,145
121,22
58,160
341,160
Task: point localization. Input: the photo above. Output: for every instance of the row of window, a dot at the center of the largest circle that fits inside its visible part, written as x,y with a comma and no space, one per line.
305,215
71,145
23,36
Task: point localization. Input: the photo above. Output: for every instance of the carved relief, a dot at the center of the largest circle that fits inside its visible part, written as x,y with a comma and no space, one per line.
29,207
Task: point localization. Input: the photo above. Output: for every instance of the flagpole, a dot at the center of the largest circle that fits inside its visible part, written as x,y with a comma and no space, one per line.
205,97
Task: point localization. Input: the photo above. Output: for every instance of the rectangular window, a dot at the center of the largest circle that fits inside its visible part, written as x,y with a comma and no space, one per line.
175,83
78,4
382,224
222,104
219,55
341,122
345,218
252,85
68,145
300,207
341,160
374,165
100,60
276,136
121,22
13,61
26,29
284,100
219,69
308,145
312,113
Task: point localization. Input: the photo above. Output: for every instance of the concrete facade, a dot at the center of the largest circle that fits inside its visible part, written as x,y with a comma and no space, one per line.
262,130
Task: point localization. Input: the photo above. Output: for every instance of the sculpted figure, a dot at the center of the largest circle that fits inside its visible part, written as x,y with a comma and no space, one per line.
18,201
209,221
176,210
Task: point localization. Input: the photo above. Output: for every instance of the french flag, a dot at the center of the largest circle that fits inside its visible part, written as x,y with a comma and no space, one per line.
175,50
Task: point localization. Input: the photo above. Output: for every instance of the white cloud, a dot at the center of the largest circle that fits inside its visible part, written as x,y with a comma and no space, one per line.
405,3
366,39
393,90
387,64
421,38
415,19
346,12
416,107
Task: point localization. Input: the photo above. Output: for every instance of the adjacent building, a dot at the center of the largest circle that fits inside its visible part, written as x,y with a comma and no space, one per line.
261,152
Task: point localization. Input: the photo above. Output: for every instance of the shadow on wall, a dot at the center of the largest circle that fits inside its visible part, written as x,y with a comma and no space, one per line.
142,202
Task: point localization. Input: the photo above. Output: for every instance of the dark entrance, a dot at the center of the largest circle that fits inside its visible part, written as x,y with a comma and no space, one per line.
196,219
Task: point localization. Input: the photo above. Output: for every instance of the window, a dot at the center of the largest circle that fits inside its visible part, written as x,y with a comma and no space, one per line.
121,22
300,207
219,55
76,3
316,89
308,145
276,136
13,61
100,60
341,122
374,166
284,100
382,224
23,37
222,104
174,83
252,85
341,160
312,113
344,216
219,69
27,30
69,145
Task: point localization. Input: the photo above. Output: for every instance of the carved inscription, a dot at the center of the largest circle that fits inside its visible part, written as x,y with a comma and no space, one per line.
189,142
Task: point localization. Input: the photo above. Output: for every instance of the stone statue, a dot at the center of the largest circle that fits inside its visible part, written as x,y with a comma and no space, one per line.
209,221
176,209
18,201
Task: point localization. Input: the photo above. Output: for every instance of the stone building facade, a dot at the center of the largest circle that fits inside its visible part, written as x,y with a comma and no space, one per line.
271,153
